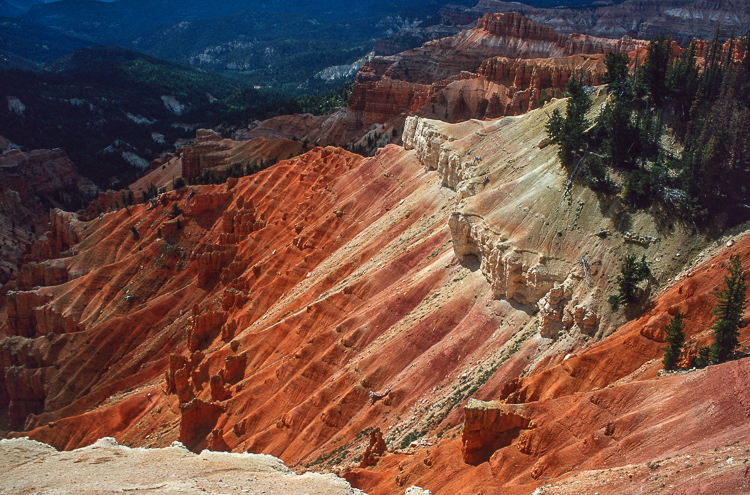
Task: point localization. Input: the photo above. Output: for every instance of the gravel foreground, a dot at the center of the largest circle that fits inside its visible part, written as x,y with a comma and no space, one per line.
107,467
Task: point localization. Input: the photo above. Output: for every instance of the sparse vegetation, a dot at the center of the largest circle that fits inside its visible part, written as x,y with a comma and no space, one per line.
704,357
150,193
175,211
178,183
708,112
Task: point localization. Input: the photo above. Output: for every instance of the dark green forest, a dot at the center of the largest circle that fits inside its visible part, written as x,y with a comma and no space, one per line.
82,104
704,104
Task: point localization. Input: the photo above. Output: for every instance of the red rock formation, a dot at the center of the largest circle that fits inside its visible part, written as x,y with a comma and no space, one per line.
211,151
445,79
47,273
203,324
26,393
65,231
234,368
47,174
198,419
218,391
489,426
30,184
21,308
374,450
205,153
417,81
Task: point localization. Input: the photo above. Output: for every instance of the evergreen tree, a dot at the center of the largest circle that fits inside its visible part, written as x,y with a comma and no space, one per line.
653,74
617,74
729,308
621,135
567,132
675,339
632,273
682,80
704,358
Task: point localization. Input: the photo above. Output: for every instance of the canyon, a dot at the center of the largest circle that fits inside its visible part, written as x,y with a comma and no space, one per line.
434,314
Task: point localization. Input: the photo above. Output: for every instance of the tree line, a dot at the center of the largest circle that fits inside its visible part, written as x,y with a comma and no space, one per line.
706,104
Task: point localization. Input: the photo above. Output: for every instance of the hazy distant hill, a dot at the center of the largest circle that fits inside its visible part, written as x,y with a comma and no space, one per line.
7,9
271,43
103,104
33,43
22,5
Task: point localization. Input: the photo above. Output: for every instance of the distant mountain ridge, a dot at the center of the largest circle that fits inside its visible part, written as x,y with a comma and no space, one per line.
34,44
645,19
7,9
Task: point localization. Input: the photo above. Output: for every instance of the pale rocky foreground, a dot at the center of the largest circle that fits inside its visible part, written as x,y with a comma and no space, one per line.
106,467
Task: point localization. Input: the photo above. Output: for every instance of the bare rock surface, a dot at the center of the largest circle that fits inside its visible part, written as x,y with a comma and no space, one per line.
106,467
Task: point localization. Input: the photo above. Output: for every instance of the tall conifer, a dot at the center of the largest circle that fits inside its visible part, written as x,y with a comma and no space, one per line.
730,304
675,338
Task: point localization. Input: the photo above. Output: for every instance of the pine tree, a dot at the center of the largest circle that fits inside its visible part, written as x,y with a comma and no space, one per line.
616,76
703,358
632,273
567,132
730,304
621,136
652,81
675,339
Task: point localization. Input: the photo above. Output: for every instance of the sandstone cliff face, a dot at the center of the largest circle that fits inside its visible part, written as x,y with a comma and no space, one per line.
506,49
204,154
489,426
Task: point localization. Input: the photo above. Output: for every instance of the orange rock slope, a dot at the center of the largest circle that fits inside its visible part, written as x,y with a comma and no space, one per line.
297,311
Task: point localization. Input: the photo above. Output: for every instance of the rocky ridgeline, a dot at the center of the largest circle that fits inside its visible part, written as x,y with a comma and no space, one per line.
106,467
684,20
525,274
448,78
536,40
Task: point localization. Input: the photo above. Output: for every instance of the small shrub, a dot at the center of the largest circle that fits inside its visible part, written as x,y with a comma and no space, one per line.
178,183
704,357
632,273
614,302
175,211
